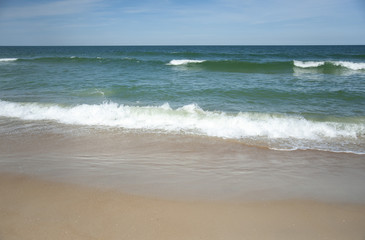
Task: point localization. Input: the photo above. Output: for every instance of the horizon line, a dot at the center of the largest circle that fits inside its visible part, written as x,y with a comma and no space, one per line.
177,45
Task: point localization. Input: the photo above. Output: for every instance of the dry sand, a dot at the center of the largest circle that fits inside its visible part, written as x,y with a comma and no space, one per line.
35,209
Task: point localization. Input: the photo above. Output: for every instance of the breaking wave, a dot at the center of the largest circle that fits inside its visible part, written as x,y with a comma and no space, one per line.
184,62
270,67
8,59
341,64
235,66
309,64
329,67
278,131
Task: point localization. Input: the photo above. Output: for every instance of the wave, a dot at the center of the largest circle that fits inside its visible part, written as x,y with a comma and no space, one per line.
240,66
342,64
63,59
275,130
350,65
309,64
327,67
50,59
71,59
8,59
238,55
236,66
184,62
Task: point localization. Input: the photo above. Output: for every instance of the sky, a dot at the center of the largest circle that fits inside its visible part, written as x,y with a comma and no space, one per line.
188,22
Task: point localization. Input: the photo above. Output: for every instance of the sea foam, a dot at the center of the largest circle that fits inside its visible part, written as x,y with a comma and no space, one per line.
308,64
189,119
8,59
184,62
350,65
345,64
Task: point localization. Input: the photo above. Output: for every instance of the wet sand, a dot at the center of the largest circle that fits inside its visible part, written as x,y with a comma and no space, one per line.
36,209
68,183
180,167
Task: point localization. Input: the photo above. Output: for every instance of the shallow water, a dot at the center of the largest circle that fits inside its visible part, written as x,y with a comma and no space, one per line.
180,167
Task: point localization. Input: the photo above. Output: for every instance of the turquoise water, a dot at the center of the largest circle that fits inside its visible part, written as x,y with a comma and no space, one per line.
279,97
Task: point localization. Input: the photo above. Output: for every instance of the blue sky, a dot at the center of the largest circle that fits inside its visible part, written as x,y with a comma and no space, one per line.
172,22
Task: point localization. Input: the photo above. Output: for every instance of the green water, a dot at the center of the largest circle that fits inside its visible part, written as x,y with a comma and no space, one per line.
281,97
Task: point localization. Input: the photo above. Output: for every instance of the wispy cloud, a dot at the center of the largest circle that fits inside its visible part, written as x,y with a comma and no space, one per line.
274,11
137,10
178,22
56,8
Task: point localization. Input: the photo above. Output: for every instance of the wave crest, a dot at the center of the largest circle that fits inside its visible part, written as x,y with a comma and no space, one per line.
350,65
184,62
308,64
293,130
8,59
344,64
329,67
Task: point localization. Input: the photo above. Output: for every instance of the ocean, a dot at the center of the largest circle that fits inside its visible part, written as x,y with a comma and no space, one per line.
285,101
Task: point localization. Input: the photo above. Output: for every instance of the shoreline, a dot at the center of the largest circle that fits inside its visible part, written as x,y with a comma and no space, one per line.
182,167
31,208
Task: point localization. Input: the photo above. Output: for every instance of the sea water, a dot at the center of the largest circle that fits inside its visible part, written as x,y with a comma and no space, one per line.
281,99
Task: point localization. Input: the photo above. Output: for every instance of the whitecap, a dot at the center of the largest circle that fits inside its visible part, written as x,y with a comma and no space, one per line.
308,64
189,118
8,59
276,131
345,64
184,62
350,65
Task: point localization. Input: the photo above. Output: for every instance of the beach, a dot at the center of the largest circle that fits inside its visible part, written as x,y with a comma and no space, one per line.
102,185
35,209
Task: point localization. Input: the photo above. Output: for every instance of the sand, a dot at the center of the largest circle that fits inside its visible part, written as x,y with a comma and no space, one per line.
31,208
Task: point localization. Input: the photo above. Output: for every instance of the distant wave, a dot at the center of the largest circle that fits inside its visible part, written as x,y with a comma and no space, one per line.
184,62
240,66
73,59
350,65
328,67
308,64
277,130
8,59
235,66
62,59
343,64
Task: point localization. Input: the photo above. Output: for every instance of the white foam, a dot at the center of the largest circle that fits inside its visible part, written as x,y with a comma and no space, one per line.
308,64
8,59
350,65
345,64
184,62
99,92
188,119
